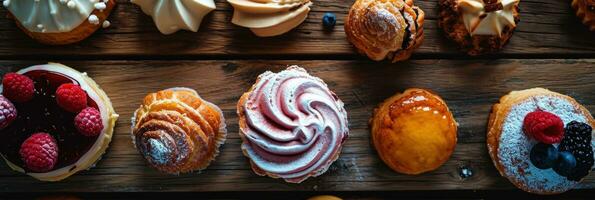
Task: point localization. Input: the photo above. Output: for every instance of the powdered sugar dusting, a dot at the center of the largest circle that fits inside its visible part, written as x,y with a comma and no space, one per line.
158,152
515,146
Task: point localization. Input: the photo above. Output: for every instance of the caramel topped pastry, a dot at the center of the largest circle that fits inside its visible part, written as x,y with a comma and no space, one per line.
585,10
176,131
414,132
385,29
479,26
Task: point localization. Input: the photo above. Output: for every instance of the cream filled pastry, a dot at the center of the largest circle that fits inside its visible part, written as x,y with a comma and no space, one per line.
60,21
479,26
64,121
267,18
171,16
292,126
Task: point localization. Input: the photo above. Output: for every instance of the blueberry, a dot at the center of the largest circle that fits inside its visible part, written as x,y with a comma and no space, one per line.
329,20
544,156
566,163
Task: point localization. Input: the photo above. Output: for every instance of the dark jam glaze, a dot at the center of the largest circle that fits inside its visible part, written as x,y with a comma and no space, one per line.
42,114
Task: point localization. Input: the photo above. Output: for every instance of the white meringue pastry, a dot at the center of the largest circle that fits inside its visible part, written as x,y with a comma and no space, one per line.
171,16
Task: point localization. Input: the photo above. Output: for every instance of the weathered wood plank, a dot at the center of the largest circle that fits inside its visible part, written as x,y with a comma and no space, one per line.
547,29
469,87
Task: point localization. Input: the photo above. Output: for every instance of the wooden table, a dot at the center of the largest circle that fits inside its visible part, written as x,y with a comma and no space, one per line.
550,48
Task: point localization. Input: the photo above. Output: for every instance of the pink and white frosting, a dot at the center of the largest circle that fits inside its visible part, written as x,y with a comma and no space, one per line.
295,125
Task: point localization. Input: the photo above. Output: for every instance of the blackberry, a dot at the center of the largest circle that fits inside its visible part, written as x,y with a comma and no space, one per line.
577,140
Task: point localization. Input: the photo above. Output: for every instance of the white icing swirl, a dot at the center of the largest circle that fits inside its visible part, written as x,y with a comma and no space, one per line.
295,125
52,16
172,15
480,22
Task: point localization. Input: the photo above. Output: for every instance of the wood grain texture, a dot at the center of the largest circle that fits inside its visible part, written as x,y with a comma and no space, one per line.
469,87
548,29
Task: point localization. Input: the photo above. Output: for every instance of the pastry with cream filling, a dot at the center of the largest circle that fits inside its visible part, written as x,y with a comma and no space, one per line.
267,18
479,26
59,22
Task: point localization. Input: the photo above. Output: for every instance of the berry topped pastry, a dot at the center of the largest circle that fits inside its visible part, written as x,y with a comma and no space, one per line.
479,26
541,141
55,121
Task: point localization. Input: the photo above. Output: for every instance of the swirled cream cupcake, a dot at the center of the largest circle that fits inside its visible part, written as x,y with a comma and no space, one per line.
292,125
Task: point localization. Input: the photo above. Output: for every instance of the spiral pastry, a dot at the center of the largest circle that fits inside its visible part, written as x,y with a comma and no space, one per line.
176,131
292,125
385,29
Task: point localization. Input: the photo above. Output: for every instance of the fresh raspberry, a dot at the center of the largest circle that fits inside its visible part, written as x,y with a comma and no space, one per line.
71,97
544,126
17,87
88,122
8,112
39,152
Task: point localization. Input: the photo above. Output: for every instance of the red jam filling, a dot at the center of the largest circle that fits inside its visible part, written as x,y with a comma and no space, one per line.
42,114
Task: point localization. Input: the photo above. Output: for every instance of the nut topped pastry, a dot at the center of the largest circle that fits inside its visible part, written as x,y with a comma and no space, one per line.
479,26
55,122
385,29
177,131
414,132
585,10
267,18
292,125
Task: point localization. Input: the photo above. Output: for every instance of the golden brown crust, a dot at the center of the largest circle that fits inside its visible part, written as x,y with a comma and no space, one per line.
498,114
177,131
374,27
452,24
79,33
402,135
585,10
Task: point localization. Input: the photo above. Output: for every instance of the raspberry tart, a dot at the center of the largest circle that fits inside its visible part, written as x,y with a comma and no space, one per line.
56,121
542,141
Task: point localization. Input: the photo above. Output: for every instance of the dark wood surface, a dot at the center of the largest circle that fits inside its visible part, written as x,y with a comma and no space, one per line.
469,87
550,48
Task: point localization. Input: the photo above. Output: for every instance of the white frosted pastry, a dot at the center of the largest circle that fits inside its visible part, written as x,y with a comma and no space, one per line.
479,19
267,18
59,21
171,16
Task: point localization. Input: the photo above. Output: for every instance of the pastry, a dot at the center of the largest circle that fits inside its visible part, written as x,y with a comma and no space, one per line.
385,29
267,18
324,197
172,15
177,131
58,22
64,122
292,126
585,10
479,26
414,132
541,140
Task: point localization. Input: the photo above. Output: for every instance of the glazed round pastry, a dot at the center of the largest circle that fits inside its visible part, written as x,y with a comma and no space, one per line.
267,18
479,26
292,126
385,29
509,147
76,152
414,132
177,131
324,197
585,10
172,15
58,22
